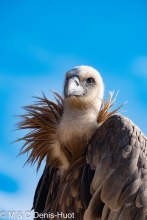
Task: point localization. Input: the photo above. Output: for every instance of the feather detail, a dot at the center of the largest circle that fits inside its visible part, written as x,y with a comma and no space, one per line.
43,118
104,114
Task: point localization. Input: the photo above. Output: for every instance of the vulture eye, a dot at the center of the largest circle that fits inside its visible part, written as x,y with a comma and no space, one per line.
90,81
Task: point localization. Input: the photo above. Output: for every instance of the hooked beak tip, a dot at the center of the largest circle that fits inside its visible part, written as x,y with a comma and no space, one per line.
72,87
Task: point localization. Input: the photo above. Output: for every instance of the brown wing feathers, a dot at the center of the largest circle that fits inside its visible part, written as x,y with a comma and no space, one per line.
118,153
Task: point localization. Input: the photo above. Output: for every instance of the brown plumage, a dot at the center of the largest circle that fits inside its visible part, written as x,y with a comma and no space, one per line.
96,160
43,118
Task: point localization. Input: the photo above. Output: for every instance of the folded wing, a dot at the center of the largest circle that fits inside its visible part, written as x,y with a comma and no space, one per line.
118,154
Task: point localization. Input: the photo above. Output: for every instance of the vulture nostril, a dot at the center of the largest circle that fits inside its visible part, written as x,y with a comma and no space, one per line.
76,82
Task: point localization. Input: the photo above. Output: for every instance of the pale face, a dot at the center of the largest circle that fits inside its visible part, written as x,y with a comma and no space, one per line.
83,83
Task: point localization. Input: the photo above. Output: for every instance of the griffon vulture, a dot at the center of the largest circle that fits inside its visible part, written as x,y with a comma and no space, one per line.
96,160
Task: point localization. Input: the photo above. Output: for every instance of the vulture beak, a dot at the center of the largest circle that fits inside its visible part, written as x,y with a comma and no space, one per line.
72,87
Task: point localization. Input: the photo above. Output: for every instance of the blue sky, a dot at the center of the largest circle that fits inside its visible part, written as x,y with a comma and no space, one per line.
39,42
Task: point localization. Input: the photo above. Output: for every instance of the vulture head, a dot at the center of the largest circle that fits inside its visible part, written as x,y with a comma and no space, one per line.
83,88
